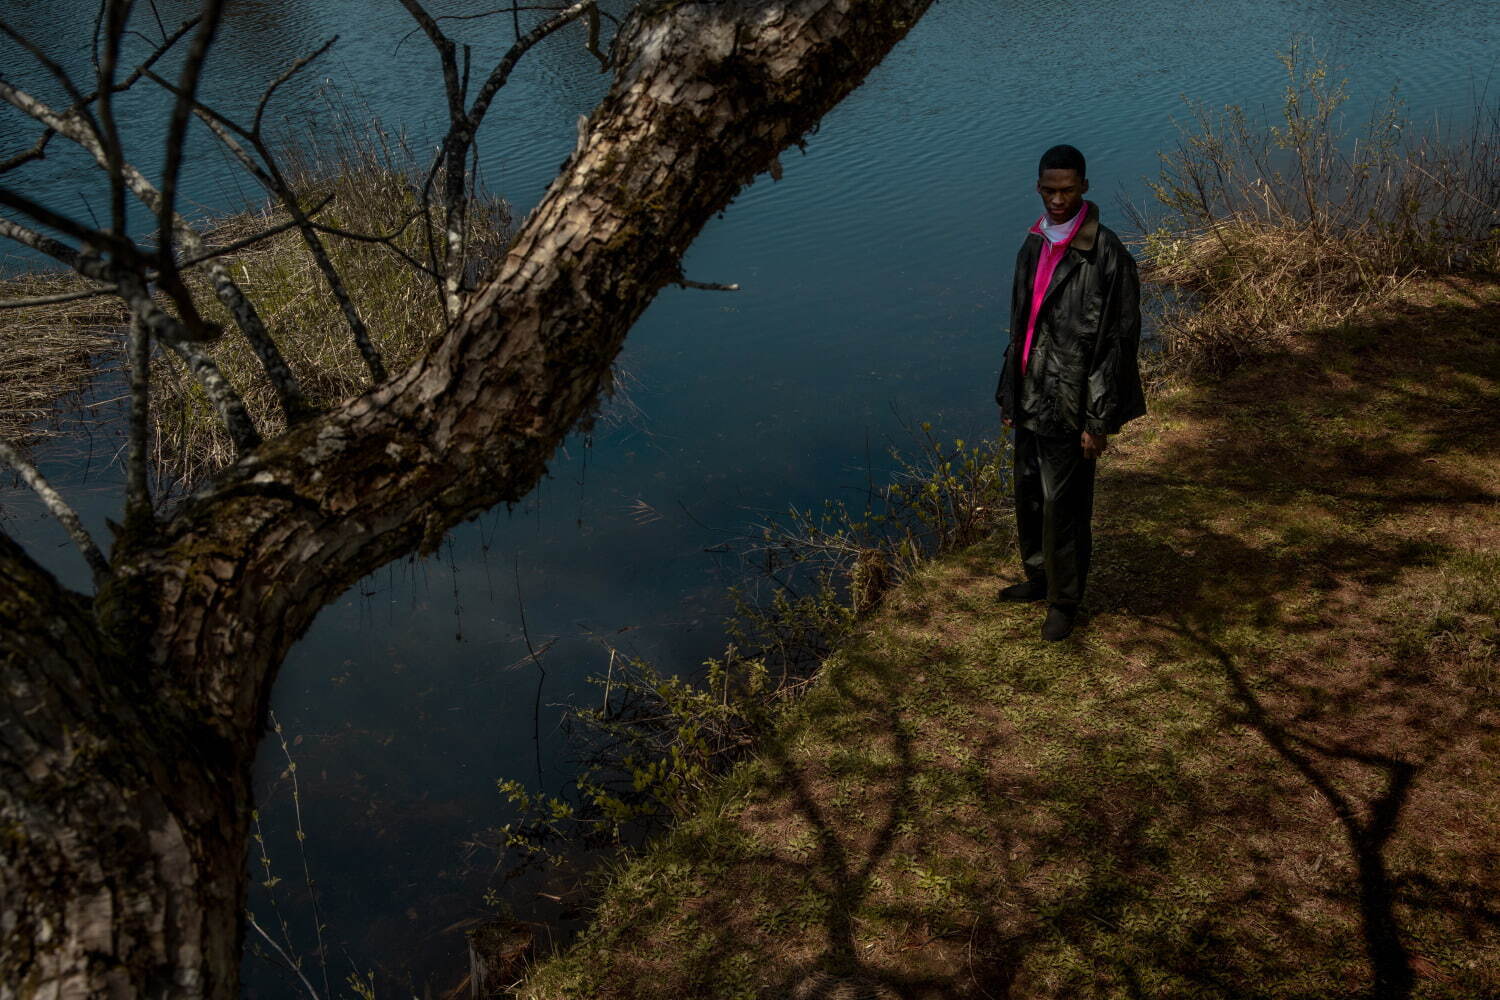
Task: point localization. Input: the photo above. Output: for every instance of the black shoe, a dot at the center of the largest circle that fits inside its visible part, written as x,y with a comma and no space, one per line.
1059,623
1030,590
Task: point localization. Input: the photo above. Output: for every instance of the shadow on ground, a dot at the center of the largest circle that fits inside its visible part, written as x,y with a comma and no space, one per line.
1264,767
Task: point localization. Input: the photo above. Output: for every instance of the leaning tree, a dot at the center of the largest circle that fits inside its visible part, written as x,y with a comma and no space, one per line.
131,714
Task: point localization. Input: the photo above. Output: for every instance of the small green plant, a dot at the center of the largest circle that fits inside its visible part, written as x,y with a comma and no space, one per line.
941,498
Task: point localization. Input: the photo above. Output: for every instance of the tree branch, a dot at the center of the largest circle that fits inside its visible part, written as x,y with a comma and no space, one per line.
116,15
212,253
475,421
138,507
226,402
38,151
60,297
176,142
503,69
276,184
59,509
29,237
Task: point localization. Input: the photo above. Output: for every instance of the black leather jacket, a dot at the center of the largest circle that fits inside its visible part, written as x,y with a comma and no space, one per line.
1082,373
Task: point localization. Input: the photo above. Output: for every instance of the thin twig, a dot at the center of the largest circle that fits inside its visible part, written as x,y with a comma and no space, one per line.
284,956
250,241
117,13
502,70
312,892
387,242
38,151
60,297
270,881
536,708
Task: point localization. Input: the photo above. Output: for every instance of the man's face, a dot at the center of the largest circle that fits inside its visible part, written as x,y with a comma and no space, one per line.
1062,193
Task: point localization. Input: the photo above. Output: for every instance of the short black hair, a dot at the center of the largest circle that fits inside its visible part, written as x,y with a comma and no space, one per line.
1063,158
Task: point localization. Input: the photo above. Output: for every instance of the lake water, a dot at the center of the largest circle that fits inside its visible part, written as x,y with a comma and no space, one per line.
875,281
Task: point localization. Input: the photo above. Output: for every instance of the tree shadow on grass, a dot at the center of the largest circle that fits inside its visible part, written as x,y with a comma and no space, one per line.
1269,541
1239,782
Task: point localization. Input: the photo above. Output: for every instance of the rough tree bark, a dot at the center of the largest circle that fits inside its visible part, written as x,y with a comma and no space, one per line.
129,721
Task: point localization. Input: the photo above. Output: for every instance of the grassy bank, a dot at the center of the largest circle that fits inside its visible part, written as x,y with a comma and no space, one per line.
1263,768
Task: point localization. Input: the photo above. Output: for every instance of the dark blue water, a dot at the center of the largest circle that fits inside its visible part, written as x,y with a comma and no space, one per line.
875,276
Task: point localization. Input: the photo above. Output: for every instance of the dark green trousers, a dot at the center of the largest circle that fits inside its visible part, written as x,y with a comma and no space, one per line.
1054,513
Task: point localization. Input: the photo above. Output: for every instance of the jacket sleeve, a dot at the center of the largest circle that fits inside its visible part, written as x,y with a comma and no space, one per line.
1114,385
1005,390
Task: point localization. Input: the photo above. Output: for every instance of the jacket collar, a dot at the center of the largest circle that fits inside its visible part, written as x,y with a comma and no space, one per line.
1087,235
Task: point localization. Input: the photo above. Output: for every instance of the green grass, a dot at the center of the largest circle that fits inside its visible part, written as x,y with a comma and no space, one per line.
1270,751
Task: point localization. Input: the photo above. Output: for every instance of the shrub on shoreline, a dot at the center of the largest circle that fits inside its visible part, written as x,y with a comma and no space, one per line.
1273,228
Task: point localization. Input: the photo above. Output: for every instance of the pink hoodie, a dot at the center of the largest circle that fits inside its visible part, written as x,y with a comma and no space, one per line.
1046,265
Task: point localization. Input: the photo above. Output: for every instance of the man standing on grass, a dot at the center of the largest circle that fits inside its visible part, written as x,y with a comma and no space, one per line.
1070,380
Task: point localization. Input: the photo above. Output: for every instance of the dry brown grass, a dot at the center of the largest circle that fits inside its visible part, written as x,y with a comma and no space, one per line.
46,351
1268,229
373,193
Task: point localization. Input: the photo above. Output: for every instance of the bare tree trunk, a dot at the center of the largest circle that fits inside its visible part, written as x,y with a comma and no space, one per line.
128,726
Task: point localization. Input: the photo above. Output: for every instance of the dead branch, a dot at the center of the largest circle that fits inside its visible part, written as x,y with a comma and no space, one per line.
249,241
38,151
176,144
116,14
274,181
464,125
225,400
58,508
501,73
28,237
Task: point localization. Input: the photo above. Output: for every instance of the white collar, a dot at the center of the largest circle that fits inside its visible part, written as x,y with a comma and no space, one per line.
1057,233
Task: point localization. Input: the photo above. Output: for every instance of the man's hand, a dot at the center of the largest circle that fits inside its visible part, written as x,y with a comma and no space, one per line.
1094,445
